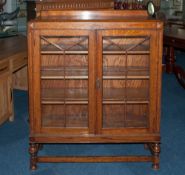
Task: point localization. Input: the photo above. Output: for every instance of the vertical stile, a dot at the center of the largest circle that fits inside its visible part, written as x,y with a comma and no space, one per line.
126,72
65,116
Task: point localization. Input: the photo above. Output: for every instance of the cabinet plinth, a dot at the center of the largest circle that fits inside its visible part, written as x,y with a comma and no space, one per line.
101,84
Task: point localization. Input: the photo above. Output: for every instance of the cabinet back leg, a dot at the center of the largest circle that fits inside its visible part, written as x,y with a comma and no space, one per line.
155,150
33,149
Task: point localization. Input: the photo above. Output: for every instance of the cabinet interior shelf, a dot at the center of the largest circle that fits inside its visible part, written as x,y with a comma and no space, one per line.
86,77
107,52
115,95
64,77
71,52
109,72
85,102
85,68
125,77
74,102
124,102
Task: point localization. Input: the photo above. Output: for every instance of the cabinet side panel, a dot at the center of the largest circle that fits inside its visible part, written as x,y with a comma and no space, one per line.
154,59
30,82
34,74
159,80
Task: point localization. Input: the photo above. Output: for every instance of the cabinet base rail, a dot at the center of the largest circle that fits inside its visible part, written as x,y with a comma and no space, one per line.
153,147
94,159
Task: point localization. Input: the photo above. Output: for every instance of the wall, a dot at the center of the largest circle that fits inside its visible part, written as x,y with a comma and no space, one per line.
184,9
22,19
169,7
11,5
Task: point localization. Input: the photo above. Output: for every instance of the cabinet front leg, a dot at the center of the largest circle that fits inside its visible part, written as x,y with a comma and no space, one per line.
155,148
33,153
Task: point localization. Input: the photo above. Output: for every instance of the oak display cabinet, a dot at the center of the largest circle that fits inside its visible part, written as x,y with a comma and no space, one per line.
95,80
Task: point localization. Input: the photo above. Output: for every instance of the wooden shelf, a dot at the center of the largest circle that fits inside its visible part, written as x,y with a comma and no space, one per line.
111,72
110,95
64,77
125,77
114,102
72,52
84,52
66,102
117,52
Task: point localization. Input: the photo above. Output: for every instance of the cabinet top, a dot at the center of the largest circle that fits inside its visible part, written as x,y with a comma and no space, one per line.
94,15
95,19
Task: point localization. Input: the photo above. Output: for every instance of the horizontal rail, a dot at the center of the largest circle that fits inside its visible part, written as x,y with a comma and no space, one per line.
93,159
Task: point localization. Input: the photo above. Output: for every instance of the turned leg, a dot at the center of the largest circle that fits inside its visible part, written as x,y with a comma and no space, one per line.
155,150
33,153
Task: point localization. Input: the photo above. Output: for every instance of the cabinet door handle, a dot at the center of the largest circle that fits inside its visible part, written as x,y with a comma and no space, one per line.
98,83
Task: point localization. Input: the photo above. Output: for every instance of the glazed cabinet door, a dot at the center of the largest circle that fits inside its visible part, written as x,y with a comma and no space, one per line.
127,74
63,77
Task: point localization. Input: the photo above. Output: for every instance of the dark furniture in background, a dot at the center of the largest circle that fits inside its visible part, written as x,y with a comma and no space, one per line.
2,3
13,72
31,10
174,38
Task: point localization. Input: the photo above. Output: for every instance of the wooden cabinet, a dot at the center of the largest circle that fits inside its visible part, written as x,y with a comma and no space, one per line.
6,111
95,81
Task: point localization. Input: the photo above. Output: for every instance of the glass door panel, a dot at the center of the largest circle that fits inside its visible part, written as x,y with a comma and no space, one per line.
113,90
136,115
65,116
64,91
113,116
137,90
64,81
126,79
